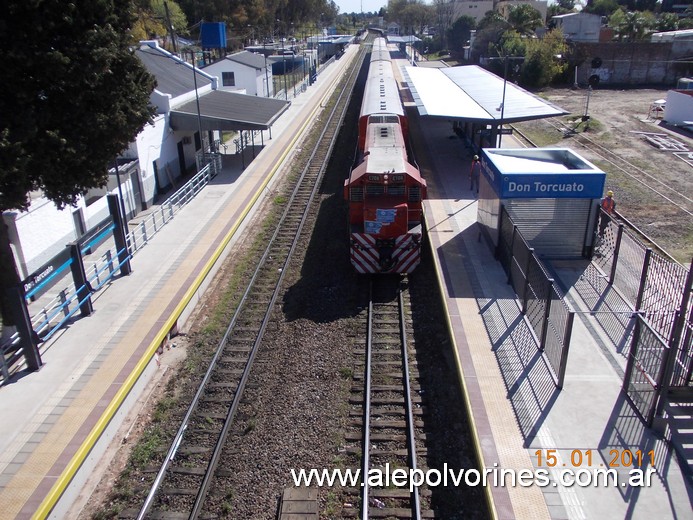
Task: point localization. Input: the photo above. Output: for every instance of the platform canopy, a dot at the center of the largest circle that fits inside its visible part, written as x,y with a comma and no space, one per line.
472,93
403,39
220,110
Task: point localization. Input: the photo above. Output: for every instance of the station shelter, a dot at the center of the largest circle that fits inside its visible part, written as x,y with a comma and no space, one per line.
476,101
551,194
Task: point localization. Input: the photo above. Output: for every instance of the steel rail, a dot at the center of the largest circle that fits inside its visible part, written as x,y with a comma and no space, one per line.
323,159
175,445
411,440
365,463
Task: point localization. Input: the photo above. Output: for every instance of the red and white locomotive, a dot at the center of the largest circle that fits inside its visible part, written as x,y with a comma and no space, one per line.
385,191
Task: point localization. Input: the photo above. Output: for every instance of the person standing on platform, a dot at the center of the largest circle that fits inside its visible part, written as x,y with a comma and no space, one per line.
608,206
474,174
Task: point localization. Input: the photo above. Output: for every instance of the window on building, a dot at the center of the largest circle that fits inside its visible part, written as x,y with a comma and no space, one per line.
228,79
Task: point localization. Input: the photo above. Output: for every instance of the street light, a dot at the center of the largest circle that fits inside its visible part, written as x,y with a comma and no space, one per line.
505,83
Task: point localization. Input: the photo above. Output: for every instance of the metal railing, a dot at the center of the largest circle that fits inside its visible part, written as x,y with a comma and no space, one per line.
49,314
543,304
655,286
645,369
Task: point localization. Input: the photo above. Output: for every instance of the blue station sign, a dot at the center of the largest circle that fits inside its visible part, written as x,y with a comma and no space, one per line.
541,173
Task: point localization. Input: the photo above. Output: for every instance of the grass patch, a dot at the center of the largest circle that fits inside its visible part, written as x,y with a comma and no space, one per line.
252,424
164,405
146,449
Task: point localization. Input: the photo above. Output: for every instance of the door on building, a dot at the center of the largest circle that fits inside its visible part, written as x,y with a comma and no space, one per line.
181,158
137,192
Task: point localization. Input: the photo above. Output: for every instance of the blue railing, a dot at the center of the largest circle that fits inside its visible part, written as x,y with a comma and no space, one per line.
48,315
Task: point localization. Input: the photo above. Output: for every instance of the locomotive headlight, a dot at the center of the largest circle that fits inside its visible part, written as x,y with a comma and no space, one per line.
385,177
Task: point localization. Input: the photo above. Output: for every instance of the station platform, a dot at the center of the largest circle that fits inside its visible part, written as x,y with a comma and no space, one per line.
58,422
518,413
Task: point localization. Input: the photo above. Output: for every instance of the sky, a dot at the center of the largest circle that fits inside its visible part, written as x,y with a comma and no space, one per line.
355,6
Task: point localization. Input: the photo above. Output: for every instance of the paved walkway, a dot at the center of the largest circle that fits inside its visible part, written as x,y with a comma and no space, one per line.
517,411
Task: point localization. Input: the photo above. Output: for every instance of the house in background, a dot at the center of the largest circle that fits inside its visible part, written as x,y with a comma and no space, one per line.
166,155
473,8
243,72
579,27
191,113
393,29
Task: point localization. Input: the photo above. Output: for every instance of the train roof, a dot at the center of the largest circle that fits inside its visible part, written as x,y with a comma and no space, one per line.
472,93
379,51
381,94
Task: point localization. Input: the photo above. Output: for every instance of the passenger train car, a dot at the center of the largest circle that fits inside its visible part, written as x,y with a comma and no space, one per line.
384,190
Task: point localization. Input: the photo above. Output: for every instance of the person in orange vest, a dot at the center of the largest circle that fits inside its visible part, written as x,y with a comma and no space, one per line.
474,174
608,206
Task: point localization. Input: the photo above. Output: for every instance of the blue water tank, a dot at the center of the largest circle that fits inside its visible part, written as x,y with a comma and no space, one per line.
213,35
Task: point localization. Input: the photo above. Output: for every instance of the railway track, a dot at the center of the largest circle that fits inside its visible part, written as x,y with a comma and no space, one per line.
648,180
183,481
386,408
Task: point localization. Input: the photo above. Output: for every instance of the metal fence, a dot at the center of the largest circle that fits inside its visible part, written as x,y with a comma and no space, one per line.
645,369
655,286
51,312
543,304
659,328
139,235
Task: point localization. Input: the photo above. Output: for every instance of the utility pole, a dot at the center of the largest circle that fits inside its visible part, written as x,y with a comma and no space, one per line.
170,29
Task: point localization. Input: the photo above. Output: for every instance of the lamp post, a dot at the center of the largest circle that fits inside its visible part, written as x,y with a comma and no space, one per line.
505,59
502,106
197,101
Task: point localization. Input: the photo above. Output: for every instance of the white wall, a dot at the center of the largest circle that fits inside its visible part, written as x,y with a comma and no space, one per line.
475,9
158,142
580,27
247,78
40,233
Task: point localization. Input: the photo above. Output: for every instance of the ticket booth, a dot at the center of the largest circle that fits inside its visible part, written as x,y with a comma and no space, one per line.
551,194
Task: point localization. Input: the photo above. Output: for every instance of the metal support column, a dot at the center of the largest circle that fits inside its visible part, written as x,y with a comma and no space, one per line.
119,236
79,277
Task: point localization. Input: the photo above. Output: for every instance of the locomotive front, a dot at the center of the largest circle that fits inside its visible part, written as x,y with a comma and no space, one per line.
385,194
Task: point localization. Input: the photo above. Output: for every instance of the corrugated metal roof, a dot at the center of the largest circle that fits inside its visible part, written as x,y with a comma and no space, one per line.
250,59
472,93
173,76
221,110
402,39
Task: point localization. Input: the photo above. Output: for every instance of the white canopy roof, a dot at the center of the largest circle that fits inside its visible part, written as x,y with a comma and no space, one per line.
472,93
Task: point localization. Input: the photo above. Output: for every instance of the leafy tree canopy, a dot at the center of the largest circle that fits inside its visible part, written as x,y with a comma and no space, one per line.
75,97
524,18
601,7
262,15
632,26
151,19
459,33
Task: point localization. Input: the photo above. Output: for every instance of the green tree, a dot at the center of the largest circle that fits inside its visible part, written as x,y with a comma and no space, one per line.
667,22
602,7
151,19
632,26
74,98
544,61
489,32
443,17
524,19
459,33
